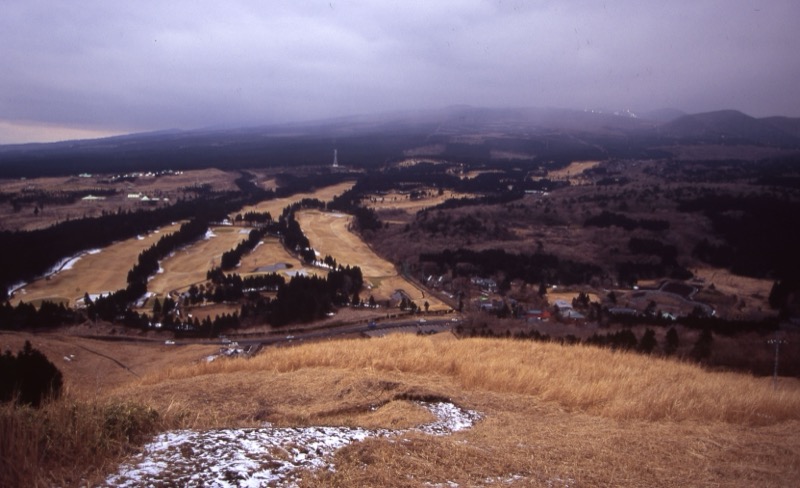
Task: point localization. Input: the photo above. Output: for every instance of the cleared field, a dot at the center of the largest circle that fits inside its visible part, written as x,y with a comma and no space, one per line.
190,264
93,368
329,235
728,283
105,271
272,257
276,206
568,296
573,171
170,187
401,201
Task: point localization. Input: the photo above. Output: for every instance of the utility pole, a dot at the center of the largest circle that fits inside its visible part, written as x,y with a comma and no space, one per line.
777,341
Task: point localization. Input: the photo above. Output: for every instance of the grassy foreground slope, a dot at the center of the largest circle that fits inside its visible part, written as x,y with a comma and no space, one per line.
553,415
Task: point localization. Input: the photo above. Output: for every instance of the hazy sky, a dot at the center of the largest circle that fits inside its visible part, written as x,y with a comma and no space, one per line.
78,69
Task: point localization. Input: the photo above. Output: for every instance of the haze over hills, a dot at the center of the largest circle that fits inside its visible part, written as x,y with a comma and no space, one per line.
529,133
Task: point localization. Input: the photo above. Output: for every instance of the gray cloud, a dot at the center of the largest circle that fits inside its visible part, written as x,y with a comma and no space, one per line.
129,66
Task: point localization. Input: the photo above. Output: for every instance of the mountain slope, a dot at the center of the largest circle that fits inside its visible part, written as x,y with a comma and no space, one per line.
728,127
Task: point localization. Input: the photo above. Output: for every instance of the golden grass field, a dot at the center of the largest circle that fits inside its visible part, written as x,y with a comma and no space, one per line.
167,186
730,284
189,265
329,235
568,296
276,206
103,272
553,415
107,271
271,253
573,171
394,200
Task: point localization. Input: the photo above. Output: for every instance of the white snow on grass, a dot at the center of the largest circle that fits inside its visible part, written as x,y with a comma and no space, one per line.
68,263
260,457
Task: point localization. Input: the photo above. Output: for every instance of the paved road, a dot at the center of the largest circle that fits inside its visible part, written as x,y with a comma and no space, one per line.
379,328
376,329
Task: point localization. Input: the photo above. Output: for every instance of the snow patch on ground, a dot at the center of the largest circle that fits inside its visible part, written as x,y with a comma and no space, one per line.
260,457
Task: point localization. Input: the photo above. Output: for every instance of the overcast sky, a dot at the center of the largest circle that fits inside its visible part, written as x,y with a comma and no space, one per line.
82,69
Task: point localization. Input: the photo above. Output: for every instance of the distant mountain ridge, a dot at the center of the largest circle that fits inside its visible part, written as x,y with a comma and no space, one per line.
545,134
734,127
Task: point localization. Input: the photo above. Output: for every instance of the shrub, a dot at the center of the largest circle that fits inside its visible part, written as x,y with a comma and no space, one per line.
66,443
28,378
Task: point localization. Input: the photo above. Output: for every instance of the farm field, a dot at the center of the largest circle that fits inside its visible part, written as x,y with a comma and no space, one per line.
329,235
96,273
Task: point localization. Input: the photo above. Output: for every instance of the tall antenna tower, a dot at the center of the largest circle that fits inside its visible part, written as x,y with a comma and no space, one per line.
335,159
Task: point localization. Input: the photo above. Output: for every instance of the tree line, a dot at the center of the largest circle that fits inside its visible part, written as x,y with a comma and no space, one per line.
531,268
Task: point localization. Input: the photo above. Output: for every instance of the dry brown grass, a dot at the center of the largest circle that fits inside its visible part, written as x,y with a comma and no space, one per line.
395,200
67,443
752,289
621,386
168,186
189,265
107,271
329,235
276,206
270,253
103,272
553,415
92,368
573,172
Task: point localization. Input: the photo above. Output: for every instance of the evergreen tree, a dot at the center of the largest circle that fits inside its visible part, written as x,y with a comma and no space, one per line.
29,378
702,348
648,342
672,342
